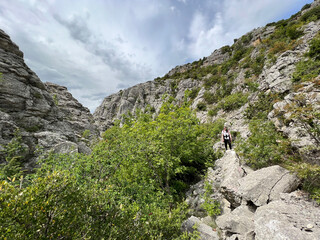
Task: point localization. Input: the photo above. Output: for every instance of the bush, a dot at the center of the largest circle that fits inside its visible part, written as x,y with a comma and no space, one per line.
306,71
209,97
233,101
293,33
194,93
314,51
201,106
265,146
262,107
313,14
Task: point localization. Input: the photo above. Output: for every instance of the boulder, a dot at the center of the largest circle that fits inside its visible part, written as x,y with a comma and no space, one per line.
231,171
206,232
265,185
239,221
290,217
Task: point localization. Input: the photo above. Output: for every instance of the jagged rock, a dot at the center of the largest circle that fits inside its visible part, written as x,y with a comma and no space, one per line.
298,132
291,217
139,97
74,112
206,232
231,171
217,57
265,185
278,76
239,221
26,104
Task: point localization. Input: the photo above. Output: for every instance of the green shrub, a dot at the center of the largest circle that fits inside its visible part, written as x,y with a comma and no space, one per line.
314,51
310,175
262,107
194,93
306,6
55,100
306,70
13,153
226,49
213,112
211,206
233,101
293,33
313,14
265,146
201,106
209,97
86,134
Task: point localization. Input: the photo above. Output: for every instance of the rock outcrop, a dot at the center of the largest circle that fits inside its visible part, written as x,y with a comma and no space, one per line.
27,105
262,204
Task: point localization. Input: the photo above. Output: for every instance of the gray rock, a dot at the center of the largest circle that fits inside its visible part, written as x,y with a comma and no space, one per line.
231,171
265,185
239,221
206,232
287,218
65,147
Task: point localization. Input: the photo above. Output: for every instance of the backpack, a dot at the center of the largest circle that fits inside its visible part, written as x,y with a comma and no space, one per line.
226,135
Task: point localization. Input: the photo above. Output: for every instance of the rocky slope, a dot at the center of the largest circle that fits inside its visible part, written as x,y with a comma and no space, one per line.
225,84
262,204
29,105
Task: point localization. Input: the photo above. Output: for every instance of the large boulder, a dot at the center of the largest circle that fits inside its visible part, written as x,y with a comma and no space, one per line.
265,185
230,171
288,218
239,221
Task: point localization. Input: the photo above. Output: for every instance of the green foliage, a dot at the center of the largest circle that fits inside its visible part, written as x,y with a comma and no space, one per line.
306,70
293,33
265,146
211,206
13,154
193,93
209,97
262,107
131,185
314,51
306,6
233,101
201,106
226,49
55,99
312,15
86,134
310,175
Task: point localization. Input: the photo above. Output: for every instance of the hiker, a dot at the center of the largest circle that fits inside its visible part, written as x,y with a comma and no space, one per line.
226,137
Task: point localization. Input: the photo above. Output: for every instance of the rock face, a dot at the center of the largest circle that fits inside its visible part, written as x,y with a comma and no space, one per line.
274,77
74,112
142,96
262,204
27,105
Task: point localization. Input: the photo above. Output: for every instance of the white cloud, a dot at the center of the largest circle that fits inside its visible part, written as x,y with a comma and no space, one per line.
97,47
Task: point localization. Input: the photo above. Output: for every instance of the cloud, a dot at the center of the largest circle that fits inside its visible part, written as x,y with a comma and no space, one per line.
96,48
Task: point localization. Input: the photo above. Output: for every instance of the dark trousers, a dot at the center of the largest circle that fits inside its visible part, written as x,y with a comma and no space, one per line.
226,142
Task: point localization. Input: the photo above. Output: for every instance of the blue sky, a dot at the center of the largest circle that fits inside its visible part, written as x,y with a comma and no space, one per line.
97,47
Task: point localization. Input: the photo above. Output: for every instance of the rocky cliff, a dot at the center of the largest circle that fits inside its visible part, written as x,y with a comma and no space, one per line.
46,114
266,61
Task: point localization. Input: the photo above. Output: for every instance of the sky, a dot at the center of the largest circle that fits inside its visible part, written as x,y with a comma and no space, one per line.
98,47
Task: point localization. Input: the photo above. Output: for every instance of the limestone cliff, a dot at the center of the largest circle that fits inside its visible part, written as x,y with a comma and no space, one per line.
225,84
28,105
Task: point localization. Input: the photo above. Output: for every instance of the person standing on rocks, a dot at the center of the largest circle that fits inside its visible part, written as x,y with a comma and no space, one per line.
226,137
